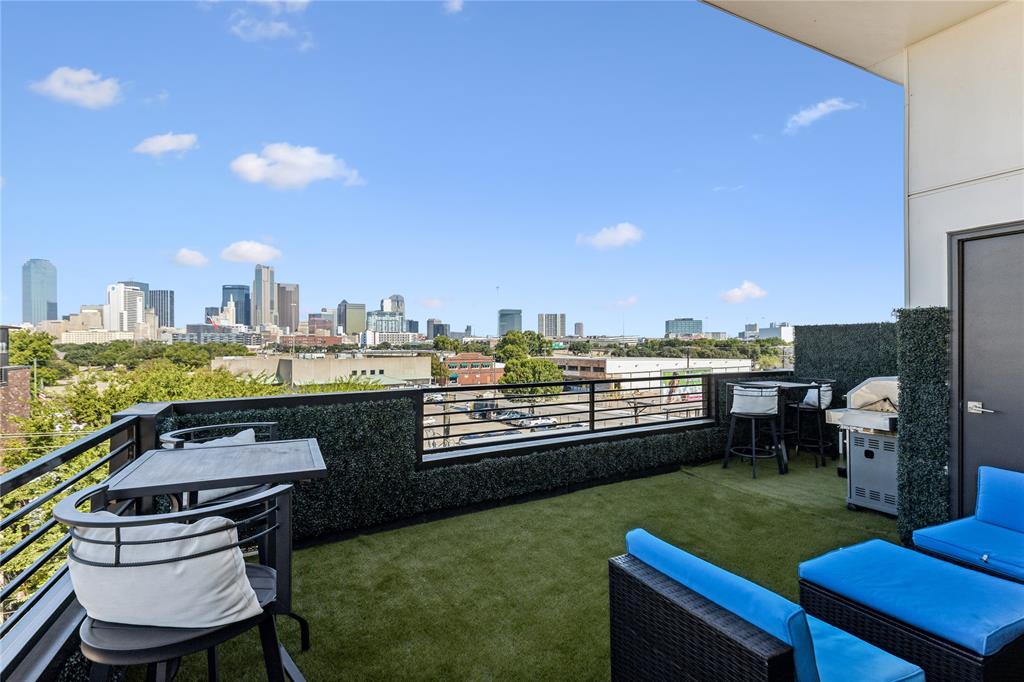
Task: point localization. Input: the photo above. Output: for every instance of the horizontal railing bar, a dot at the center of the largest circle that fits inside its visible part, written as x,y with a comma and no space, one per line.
579,382
61,487
26,541
12,587
27,605
30,471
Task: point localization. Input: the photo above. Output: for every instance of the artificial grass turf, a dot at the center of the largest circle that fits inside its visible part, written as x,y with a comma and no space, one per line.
521,591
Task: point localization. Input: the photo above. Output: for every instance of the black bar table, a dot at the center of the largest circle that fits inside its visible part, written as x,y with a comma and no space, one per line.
783,386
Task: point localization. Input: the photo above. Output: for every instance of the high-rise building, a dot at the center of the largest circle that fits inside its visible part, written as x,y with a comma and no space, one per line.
551,325
509,320
577,330
38,291
385,321
412,326
395,303
469,330
211,313
442,329
683,326
162,302
432,324
264,297
125,308
239,293
142,286
288,306
352,317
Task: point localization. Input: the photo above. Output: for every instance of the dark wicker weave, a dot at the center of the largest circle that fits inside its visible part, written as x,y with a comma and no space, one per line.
941,660
661,630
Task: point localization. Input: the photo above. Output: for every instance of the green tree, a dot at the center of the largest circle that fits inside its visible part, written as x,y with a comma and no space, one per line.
187,355
36,349
438,370
446,344
580,347
524,370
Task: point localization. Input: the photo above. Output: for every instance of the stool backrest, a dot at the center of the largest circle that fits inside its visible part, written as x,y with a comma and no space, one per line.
819,398
754,400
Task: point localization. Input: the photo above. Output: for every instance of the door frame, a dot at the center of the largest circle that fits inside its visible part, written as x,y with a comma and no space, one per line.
956,241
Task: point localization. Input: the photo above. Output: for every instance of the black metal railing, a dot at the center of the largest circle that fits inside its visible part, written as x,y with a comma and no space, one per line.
30,533
463,417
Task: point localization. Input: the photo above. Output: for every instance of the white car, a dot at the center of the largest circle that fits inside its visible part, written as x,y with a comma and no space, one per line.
433,398
540,421
429,421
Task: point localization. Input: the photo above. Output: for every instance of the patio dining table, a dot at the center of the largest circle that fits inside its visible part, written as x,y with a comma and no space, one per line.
186,471
784,388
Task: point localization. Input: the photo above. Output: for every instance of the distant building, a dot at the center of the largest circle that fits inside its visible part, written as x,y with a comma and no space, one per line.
15,387
431,327
442,329
395,303
385,321
777,330
509,320
469,330
551,325
211,313
614,370
264,297
749,332
319,323
124,309
288,306
372,338
717,336
469,369
38,291
162,303
142,286
88,317
239,293
95,336
683,326
389,369
577,330
352,317
207,333
412,326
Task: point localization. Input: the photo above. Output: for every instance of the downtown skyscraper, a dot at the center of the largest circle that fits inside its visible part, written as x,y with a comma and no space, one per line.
264,297
38,291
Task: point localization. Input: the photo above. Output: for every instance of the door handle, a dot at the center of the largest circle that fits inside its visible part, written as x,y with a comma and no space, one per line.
977,407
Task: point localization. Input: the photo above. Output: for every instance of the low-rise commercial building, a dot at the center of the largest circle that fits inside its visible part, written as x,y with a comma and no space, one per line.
399,368
469,369
95,336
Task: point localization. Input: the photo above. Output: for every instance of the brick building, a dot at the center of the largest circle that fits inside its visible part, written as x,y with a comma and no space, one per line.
470,369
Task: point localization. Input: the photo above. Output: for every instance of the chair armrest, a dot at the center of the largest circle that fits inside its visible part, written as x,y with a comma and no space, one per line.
661,629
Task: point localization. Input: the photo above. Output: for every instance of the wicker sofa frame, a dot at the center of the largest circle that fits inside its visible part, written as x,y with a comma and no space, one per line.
941,660
661,630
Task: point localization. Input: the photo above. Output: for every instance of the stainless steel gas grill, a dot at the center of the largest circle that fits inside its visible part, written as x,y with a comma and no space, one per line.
867,428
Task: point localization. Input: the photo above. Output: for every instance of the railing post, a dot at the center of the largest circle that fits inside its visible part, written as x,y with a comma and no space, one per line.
592,386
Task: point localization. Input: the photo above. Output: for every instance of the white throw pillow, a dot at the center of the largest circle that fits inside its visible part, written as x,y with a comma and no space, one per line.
202,592
241,438
811,399
754,401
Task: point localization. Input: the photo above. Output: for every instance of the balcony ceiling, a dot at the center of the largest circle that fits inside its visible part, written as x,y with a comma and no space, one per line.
865,34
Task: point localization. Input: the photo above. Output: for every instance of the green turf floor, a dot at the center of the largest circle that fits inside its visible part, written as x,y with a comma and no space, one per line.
520,592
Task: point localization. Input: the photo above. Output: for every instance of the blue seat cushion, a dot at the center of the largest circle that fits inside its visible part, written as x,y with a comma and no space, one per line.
1001,498
979,612
763,608
842,657
971,541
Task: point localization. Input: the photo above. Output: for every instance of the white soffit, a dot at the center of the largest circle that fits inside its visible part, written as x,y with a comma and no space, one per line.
863,32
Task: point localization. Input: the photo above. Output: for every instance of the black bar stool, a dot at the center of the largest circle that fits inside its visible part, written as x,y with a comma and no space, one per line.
758,405
813,406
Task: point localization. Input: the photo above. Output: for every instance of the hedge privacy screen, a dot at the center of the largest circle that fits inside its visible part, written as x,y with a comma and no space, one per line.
924,360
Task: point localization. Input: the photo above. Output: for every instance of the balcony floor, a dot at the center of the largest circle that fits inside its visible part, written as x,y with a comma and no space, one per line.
520,592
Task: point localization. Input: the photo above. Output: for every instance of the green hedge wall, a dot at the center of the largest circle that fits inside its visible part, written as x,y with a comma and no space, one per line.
924,360
848,353
369,448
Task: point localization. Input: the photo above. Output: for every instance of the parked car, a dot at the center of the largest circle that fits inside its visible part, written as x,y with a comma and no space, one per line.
429,421
483,409
538,421
433,397
511,415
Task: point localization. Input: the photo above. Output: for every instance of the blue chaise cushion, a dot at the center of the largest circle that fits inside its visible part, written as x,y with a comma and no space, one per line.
971,541
979,612
842,657
1001,498
763,608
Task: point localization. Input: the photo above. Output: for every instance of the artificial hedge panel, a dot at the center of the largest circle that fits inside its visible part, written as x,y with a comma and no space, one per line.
924,361
847,353
369,449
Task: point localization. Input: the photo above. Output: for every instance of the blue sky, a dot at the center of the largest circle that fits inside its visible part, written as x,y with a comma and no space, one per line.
620,162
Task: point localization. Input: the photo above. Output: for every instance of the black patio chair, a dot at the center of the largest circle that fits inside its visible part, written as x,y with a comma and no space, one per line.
813,406
160,647
760,406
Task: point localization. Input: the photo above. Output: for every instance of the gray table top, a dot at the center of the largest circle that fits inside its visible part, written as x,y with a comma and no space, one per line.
780,384
178,470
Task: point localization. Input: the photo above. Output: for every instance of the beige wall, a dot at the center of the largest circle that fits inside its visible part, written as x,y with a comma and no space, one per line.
965,140
325,370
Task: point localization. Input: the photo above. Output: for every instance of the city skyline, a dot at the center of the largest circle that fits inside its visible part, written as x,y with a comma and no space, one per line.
715,207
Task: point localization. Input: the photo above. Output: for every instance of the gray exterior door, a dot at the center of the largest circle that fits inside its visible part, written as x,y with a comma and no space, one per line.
991,358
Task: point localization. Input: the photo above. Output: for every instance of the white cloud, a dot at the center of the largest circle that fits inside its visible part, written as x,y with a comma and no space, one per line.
279,6
627,302
249,252
613,237
251,29
744,292
453,6
285,166
431,302
806,117
159,98
79,86
191,258
727,188
158,145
